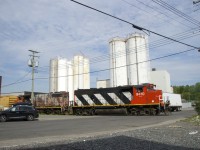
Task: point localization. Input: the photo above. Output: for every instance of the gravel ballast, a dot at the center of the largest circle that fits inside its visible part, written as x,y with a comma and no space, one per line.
180,135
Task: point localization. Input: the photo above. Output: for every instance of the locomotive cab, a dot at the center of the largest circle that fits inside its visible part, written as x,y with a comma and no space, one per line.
146,94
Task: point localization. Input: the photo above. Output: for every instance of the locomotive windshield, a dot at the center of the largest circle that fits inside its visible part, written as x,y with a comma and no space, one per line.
151,87
139,89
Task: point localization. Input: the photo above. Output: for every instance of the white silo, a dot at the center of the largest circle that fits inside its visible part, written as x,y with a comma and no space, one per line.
69,75
70,81
138,66
62,74
81,72
75,72
118,69
53,75
86,73
58,75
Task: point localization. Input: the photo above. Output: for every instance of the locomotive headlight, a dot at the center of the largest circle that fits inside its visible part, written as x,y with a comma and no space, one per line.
152,101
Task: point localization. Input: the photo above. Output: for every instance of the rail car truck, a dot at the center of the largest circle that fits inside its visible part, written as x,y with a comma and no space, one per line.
135,100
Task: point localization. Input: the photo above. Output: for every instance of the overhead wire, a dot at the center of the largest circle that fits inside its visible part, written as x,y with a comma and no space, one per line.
102,70
135,26
177,12
184,35
154,44
18,80
131,4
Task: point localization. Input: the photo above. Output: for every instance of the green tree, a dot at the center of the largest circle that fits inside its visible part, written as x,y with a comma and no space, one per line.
187,92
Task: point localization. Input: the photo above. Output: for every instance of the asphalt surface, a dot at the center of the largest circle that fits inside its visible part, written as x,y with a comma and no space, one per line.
69,132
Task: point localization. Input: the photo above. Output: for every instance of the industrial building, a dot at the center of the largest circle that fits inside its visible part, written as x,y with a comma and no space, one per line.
128,60
69,75
103,83
161,78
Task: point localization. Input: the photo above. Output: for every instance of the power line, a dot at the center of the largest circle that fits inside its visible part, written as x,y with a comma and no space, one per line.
18,80
102,58
155,44
102,70
177,12
16,83
135,26
154,10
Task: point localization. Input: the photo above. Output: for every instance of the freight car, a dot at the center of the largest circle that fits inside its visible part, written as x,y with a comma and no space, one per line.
135,100
52,103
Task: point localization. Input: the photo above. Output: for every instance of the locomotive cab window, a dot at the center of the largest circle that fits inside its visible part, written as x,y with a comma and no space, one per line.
151,87
139,90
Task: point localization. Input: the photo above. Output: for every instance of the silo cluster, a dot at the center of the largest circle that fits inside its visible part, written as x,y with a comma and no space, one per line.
129,63
69,75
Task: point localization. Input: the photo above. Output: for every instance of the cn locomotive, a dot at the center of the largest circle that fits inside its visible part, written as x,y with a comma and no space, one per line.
135,100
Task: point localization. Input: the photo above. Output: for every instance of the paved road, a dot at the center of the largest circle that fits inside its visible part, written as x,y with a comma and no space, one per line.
15,132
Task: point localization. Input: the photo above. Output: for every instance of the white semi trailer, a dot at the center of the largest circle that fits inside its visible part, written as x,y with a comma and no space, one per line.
175,101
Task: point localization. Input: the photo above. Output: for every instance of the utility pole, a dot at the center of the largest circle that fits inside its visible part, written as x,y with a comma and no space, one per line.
33,63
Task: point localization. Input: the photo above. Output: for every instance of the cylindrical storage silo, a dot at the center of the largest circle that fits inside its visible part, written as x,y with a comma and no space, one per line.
86,73
138,66
62,74
70,81
53,75
118,69
78,72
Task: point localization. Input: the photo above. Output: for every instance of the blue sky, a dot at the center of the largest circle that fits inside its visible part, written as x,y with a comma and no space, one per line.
63,28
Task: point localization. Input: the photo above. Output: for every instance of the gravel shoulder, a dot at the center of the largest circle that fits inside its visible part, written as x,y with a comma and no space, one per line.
62,117
170,135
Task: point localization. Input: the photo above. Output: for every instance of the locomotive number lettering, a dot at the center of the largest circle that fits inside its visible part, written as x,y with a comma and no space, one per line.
140,94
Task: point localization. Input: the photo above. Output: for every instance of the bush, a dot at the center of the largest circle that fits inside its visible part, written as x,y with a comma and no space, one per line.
197,107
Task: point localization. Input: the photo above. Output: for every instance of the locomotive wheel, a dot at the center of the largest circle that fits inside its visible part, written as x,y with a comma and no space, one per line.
153,112
167,112
128,112
157,112
92,112
138,113
78,112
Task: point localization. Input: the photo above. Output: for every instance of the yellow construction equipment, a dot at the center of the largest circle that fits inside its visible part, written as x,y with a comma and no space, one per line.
8,101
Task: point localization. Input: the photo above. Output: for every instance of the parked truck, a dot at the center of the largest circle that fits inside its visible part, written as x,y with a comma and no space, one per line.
174,99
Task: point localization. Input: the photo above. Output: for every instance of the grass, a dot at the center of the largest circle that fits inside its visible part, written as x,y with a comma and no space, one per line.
194,120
